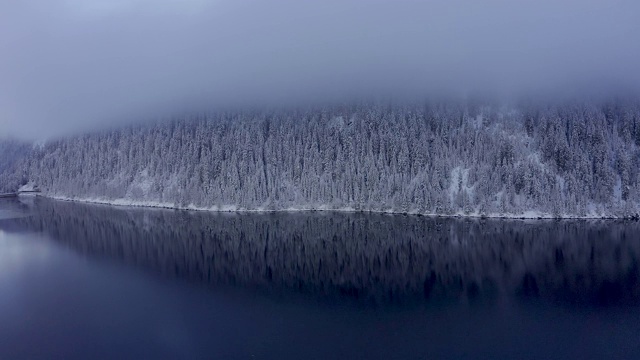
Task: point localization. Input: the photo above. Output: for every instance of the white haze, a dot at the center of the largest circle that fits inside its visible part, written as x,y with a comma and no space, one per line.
71,65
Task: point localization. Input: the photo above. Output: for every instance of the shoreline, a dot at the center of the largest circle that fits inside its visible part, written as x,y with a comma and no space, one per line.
532,215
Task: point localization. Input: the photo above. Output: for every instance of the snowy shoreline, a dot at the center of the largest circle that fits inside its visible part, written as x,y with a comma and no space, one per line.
529,215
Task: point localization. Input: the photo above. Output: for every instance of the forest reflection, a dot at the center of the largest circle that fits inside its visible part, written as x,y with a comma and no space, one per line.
368,257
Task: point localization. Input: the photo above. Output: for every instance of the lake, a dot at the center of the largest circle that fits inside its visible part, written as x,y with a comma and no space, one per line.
82,281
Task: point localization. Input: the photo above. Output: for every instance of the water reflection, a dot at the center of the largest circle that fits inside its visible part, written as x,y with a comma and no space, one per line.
369,257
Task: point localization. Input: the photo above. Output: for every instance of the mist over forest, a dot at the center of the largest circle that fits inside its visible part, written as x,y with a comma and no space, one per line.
578,159
72,66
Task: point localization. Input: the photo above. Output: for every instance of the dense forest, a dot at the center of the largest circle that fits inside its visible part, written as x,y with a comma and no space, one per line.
574,159
12,167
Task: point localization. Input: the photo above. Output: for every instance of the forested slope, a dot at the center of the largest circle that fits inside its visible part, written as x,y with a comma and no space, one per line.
578,159
12,170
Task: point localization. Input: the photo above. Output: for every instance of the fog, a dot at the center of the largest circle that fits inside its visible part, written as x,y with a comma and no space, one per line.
73,65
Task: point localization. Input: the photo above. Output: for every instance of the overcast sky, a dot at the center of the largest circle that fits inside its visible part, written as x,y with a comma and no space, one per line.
70,65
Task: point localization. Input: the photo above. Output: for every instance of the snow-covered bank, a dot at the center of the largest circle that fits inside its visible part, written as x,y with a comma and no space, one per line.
529,215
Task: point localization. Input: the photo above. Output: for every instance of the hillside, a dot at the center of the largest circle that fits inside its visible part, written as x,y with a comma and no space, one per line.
570,160
12,171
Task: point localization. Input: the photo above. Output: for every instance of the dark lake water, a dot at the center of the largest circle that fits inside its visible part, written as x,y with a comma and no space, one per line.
81,281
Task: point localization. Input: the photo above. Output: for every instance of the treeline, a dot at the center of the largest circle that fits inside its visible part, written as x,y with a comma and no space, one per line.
578,159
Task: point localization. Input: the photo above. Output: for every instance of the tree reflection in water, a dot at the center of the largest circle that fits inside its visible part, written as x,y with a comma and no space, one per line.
370,257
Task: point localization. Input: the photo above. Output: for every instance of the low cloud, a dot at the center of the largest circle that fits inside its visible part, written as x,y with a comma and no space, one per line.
70,65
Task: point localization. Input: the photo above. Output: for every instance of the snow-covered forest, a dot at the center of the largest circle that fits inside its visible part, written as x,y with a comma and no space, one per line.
12,168
575,159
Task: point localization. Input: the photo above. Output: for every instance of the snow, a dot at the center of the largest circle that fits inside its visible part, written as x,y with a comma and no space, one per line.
27,187
143,181
617,191
460,183
336,123
528,215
